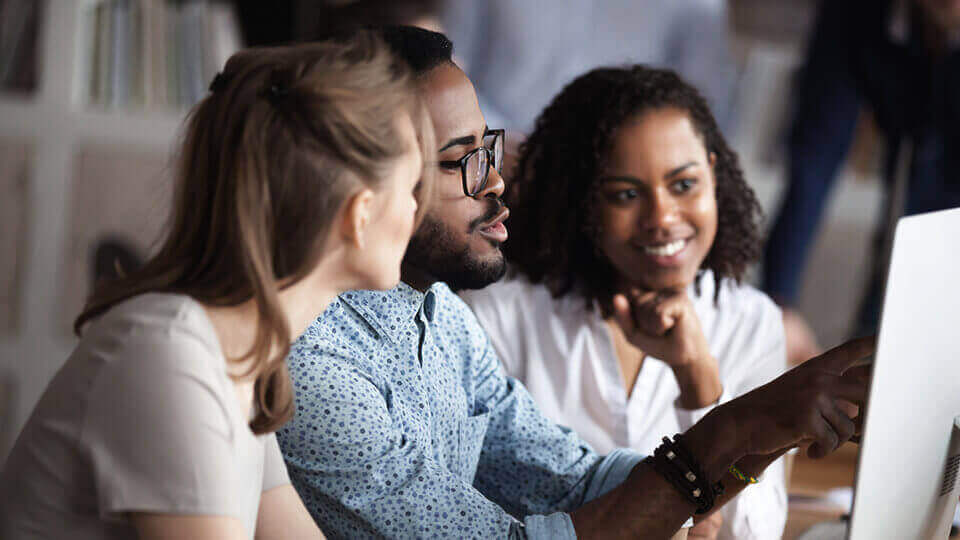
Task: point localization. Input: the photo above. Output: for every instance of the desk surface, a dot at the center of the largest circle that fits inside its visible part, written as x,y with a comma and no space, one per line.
813,478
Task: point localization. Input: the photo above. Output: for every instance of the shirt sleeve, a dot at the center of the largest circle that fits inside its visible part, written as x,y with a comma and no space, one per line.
528,464
274,470
361,474
537,469
158,433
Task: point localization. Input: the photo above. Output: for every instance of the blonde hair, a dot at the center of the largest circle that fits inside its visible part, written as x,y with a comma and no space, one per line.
287,135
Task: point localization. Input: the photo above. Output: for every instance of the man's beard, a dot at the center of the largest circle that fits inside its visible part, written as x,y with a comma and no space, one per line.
436,251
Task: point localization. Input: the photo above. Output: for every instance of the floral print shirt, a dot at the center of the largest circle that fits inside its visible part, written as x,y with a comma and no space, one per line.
407,427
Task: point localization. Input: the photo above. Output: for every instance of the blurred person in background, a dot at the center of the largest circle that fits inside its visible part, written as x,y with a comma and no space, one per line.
297,179
900,59
520,54
627,189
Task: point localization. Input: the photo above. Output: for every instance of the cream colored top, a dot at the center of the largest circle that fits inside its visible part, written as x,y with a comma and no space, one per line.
141,418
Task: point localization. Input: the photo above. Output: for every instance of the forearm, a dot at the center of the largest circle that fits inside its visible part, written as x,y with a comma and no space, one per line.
647,505
699,384
283,515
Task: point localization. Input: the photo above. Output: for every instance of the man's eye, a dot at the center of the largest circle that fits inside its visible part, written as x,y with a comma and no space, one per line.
449,165
684,184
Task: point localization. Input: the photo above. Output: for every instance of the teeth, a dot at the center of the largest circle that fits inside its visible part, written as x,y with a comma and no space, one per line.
665,250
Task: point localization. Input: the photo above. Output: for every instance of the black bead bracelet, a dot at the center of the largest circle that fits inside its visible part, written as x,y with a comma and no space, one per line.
673,461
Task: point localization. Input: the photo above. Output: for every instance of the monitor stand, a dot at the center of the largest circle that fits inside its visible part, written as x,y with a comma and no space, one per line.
941,516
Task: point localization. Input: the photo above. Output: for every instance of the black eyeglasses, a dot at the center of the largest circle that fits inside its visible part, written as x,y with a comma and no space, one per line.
475,165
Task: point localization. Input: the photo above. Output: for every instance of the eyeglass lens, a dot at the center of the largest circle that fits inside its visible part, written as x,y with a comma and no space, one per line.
477,171
494,142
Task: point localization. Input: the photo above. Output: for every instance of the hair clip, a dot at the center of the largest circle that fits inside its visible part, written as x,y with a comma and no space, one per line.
218,82
277,91
278,86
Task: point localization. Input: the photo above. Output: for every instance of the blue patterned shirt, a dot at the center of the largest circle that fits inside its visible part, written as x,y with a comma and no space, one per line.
406,426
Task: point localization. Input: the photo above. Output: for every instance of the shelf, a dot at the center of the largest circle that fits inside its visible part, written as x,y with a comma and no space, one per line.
153,53
34,119
153,128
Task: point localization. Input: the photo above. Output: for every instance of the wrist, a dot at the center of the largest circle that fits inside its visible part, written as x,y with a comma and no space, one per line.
754,465
715,441
699,383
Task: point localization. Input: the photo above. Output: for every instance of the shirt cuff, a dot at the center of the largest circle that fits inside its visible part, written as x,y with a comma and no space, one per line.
558,525
613,471
610,473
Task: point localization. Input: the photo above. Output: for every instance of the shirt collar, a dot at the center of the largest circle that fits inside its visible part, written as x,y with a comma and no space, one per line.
389,312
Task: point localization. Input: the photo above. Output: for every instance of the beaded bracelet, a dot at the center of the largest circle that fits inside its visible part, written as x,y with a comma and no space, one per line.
678,466
741,476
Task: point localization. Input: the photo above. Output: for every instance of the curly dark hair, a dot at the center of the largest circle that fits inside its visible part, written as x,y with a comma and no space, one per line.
553,191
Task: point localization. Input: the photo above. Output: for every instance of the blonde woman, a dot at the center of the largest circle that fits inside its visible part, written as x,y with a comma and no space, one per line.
297,179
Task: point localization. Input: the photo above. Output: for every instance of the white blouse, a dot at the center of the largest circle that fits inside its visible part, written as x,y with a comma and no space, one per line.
564,354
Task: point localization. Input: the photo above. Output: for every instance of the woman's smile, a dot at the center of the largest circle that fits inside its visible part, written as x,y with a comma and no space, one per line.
667,254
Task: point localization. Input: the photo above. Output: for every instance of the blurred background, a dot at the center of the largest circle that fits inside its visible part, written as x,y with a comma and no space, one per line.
93,93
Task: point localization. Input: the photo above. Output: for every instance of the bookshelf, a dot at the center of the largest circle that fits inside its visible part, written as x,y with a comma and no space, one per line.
57,131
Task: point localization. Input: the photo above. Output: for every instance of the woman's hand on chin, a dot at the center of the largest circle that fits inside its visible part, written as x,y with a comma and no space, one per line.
665,325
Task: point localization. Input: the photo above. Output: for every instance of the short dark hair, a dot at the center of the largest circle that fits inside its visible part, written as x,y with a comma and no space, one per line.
321,19
553,194
422,49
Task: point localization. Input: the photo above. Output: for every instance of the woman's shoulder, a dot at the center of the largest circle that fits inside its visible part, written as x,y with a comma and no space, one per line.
168,331
736,301
150,347
741,320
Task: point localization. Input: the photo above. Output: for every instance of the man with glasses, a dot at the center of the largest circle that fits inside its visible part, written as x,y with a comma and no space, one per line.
406,426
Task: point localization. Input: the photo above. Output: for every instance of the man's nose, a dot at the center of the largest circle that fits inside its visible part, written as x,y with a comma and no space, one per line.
495,186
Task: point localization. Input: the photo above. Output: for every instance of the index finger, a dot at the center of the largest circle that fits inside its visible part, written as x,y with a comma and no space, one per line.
840,358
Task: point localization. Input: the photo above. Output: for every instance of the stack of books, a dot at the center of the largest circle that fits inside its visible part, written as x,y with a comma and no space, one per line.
157,53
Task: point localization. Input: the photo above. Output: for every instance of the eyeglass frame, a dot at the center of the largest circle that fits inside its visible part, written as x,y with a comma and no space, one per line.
491,162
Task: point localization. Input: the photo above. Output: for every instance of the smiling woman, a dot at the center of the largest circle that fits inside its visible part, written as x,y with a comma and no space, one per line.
624,314
656,209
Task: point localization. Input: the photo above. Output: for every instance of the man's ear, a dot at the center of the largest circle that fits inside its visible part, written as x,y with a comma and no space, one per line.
356,216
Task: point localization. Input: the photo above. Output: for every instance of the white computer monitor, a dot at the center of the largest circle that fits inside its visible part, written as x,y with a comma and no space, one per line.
906,482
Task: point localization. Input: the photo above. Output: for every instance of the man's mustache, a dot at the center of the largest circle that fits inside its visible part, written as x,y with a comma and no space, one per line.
495,206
